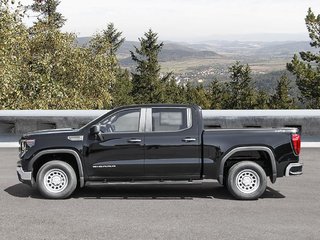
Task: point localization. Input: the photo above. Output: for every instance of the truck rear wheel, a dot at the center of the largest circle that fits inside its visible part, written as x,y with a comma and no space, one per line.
56,179
246,180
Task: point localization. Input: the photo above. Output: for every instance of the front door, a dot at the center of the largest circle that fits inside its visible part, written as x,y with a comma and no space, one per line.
119,151
172,144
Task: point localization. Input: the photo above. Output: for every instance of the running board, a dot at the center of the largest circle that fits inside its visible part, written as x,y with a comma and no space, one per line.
178,182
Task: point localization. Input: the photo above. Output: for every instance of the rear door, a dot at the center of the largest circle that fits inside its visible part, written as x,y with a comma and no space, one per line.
172,144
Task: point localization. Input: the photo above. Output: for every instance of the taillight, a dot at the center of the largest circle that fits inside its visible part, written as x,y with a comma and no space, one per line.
296,142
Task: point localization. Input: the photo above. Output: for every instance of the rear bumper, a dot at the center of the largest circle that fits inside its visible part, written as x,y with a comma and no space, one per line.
24,177
294,169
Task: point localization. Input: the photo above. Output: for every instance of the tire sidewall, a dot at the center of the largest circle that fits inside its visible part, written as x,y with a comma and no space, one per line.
69,171
236,169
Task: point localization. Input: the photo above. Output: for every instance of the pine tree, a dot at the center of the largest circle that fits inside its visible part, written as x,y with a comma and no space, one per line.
108,41
307,67
241,92
173,92
217,95
282,99
121,90
263,100
148,83
197,94
202,97
190,93
47,13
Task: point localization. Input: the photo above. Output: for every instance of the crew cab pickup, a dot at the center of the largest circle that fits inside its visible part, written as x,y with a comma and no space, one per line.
157,143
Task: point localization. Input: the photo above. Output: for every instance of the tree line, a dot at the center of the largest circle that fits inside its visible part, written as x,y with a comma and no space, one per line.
42,67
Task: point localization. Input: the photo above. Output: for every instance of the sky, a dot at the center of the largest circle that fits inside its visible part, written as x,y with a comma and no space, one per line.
192,20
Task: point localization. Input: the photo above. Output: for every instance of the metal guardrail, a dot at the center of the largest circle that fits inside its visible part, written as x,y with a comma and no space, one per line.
17,122
21,121
308,121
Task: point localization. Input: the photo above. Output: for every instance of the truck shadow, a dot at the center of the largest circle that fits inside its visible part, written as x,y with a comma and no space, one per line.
143,192
22,191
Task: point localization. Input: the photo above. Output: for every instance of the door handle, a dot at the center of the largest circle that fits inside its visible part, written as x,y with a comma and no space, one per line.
134,140
188,139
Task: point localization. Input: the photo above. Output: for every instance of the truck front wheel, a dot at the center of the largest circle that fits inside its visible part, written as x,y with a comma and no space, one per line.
246,180
56,179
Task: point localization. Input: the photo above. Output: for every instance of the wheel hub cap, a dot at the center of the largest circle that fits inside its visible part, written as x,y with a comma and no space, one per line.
55,180
247,181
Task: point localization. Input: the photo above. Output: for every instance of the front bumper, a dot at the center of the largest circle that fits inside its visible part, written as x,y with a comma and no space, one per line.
24,177
294,169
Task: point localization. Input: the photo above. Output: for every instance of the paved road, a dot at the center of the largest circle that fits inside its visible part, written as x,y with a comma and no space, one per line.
290,209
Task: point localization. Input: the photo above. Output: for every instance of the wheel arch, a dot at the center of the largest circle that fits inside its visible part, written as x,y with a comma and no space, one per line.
267,150
70,152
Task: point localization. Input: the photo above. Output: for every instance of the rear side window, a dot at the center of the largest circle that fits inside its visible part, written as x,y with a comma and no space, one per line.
170,119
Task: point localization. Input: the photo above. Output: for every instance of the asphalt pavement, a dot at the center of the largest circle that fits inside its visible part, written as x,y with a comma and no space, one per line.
289,209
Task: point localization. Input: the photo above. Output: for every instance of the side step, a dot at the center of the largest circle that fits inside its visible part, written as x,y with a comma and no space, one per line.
169,182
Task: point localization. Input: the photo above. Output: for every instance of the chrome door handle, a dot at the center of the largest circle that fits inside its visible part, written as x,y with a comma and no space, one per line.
134,140
189,139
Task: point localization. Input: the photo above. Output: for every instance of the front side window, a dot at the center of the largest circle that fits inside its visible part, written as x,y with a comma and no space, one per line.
124,121
170,119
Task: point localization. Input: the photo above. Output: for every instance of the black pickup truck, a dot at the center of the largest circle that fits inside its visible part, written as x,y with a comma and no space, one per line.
156,144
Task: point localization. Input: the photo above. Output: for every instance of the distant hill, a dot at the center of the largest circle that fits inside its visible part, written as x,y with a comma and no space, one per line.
176,51
181,50
284,48
261,37
171,51
83,40
259,48
214,57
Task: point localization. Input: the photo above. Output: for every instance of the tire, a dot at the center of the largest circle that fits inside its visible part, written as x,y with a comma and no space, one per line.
56,180
246,180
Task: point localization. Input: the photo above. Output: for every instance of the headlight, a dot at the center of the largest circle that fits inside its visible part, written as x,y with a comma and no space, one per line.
25,144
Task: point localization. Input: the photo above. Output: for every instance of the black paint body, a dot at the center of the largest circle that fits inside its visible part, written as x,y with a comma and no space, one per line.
160,155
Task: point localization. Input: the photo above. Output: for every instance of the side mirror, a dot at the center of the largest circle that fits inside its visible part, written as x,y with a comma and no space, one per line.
95,129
